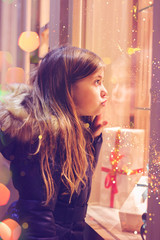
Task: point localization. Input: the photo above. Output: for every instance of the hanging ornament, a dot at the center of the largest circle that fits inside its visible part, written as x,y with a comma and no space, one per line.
15,75
29,41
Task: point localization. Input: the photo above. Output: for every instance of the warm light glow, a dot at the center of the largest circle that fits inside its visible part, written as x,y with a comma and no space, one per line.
15,75
4,194
29,41
5,231
106,60
14,227
133,50
25,225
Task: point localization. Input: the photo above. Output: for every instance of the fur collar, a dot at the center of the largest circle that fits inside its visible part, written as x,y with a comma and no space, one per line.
15,110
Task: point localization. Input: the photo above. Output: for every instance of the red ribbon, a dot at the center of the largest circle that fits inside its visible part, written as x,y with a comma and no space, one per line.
110,180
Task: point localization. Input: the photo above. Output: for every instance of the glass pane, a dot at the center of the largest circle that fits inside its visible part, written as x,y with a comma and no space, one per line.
121,33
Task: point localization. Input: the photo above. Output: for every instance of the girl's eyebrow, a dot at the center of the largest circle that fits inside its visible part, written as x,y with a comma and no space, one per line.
98,76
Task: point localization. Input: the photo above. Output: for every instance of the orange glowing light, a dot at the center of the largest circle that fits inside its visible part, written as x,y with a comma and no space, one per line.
15,75
4,194
14,227
5,231
29,41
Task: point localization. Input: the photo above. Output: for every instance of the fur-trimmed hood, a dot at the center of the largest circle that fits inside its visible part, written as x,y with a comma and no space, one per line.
15,110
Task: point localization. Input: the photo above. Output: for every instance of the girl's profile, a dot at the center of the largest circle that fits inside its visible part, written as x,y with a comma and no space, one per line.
51,134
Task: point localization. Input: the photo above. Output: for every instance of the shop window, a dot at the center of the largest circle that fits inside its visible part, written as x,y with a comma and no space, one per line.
121,33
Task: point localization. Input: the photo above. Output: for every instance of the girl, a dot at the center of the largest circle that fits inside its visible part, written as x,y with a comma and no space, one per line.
50,131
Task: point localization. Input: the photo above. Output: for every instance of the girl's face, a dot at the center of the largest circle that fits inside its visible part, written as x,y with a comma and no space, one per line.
89,94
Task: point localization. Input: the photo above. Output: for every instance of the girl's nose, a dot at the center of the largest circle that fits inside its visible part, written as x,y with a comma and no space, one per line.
104,92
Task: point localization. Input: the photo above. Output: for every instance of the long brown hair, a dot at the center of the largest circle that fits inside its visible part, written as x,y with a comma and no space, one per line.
60,129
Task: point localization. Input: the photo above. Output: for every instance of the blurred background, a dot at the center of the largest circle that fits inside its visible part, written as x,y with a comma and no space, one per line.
121,33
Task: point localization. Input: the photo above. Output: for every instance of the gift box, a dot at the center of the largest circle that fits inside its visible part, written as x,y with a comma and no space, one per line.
119,168
131,212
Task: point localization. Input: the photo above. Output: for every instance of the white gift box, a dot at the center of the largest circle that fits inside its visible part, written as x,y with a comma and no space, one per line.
136,204
128,144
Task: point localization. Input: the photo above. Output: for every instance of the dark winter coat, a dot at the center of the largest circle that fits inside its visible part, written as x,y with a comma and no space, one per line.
61,219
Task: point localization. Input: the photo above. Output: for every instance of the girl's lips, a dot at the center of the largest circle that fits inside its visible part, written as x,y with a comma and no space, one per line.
104,103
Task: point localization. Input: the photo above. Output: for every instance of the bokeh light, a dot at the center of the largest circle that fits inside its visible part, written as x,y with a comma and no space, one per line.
131,51
14,227
25,225
5,231
4,194
15,75
29,41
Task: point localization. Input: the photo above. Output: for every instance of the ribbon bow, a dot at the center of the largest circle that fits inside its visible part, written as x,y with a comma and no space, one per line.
110,180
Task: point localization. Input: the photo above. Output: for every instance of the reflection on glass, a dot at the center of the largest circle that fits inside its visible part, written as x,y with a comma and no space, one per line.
122,93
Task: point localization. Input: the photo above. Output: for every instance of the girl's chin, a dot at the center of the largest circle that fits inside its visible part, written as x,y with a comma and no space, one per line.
91,113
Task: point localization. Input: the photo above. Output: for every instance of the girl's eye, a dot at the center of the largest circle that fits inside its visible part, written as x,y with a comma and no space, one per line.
98,82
